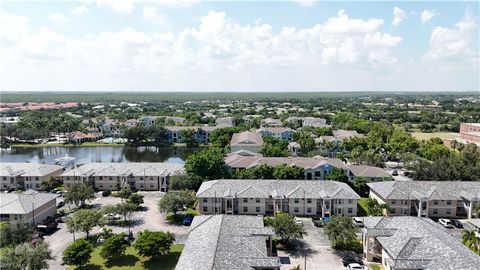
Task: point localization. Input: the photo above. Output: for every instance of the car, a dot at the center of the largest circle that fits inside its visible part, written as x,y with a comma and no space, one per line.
318,223
395,173
187,220
112,216
457,224
349,259
356,266
60,204
357,222
298,221
446,223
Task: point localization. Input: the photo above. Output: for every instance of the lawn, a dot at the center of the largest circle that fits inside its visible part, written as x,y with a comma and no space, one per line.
362,207
441,135
132,261
375,267
178,218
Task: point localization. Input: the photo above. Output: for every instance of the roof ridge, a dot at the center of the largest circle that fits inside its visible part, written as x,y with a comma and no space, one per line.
218,240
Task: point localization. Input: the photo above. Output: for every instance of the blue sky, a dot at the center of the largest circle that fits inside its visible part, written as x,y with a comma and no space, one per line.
188,45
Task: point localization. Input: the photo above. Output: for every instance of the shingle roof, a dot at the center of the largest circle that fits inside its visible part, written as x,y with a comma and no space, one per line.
17,203
260,188
246,137
27,169
432,190
123,169
226,242
420,243
345,134
275,129
368,171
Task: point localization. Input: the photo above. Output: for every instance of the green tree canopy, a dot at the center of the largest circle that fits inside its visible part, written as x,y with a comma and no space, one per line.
79,193
114,247
153,244
340,230
78,253
84,220
207,164
26,256
175,201
285,227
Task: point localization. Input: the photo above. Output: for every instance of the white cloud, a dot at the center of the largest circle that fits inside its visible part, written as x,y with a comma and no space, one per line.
80,10
58,18
398,16
305,3
12,27
455,44
128,6
427,15
152,15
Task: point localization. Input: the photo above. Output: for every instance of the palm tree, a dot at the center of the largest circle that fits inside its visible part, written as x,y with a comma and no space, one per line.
476,210
471,240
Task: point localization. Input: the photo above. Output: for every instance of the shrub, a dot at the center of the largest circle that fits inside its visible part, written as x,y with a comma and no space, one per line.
106,193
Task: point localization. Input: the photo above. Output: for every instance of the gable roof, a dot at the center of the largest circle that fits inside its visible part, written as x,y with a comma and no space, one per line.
27,169
126,169
18,203
368,171
246,137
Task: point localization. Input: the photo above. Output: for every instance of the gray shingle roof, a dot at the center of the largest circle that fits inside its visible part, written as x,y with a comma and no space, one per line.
432,190
226,242
27,169
420,243
246,137
124,169
368,171
284,188
13,203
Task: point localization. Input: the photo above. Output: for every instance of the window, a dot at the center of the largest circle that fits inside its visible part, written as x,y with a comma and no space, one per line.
317,173
435,202
339,201
110,178
350,210
37,185
257,209
296,210
257,200
309,209
339,210
100,177
4,178
141,177
296,200
448,212
245,200
309,200
245,209
151,185
205,209
350,201
205,199
393,210
405,211
394,201
68,178
100,186
37,178
141,185
435,211
449,202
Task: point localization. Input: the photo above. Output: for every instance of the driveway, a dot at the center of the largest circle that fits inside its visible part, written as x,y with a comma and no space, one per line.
313,250
150,218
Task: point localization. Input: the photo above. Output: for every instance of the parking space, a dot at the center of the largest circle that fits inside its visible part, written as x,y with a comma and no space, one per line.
314,251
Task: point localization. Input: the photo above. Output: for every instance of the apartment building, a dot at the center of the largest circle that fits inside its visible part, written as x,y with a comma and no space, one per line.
282,133
201,133
228,242
247,140
435,199
225,122
410,243
315,168
271,122
137,176
470,132
27,207
267,197
308,122
26,175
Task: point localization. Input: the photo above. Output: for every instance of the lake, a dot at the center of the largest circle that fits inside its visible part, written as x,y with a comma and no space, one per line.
97,154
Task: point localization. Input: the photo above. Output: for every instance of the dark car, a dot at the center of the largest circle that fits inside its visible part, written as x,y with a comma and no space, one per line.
348,259
318,222
187,220
60,204
456,223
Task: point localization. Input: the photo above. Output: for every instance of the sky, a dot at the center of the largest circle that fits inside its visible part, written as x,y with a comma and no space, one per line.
229,46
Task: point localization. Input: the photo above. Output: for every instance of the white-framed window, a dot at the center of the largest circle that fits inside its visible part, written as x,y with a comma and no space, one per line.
245,209
257,209
296,210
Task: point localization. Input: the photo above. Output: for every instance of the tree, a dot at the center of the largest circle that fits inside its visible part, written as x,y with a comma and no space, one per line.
124,193
189,137
285,227
126,210
360,186
26,256
284,171
184,182
207,164
337,175
79,193
114,247
175,201
470,239
135,199
306,141
476,210
153,244
51,184
12,234
84,220
374,208
340,230
273,147
78,253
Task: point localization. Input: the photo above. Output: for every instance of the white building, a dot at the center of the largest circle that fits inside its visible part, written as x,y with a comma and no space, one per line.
26,175
27,207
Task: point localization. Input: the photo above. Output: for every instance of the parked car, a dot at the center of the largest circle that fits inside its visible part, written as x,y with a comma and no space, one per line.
298,221
446,223
112,216
357,222
356,266
187,220
349,259
456,223
318,222
395,173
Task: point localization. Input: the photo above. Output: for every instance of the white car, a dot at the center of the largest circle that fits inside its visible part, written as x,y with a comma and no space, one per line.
111,216
298,221
356,266
446,223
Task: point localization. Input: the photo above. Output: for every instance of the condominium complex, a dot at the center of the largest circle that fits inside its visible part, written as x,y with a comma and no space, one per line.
282,133
308,122
26,175
27,207
427,198
267,197
315,168
414,243
247,140
228,242
470,132
138,176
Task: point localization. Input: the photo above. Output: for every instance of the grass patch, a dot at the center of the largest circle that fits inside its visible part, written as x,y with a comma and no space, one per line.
362,207
375,267
178,218
132,261
427,136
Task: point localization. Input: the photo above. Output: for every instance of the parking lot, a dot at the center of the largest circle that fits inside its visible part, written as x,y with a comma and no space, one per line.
150,218
313,250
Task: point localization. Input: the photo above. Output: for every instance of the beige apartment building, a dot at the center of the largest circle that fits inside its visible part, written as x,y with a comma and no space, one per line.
137,176
27,207
427,198
26,175
267,197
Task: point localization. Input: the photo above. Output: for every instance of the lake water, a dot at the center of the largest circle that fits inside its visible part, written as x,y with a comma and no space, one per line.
97,154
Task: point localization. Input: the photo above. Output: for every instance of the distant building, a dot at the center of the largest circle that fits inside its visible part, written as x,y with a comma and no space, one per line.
224,122
9,120
434,199
28,207
308,122
402,243
267,197
343,135
228,242
151,120
470,132
270,122
137,176
26,175
201,133
80,137
246,140
283,133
